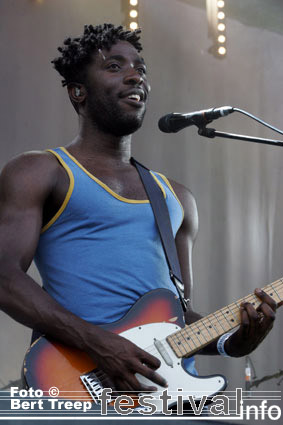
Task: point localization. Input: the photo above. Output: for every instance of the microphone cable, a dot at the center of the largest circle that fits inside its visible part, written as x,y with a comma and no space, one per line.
258,120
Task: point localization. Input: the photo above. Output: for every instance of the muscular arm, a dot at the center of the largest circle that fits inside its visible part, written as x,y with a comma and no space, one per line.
25,185
185,239
252,330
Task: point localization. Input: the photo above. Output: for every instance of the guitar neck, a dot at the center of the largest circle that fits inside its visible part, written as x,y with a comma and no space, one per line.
194,337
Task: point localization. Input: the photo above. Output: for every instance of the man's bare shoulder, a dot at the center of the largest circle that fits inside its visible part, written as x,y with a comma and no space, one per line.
30,171
183,193
31,162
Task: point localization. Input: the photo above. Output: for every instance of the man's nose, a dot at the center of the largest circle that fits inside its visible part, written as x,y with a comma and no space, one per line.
133,77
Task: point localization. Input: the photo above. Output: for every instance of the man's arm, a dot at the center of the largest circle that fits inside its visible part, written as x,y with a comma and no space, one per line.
26,184
253,329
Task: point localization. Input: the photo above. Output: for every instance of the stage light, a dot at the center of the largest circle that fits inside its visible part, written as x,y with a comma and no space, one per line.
222,50
216,16
133,25
221,27
133,13
220,4
131,9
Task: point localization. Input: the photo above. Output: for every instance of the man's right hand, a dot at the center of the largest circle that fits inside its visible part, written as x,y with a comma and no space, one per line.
120,359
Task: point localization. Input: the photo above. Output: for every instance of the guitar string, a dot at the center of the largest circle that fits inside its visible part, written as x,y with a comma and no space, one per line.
210,319
213,320
152,350
102,376
232,308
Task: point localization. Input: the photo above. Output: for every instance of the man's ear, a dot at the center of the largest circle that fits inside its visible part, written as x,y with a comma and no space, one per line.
77,93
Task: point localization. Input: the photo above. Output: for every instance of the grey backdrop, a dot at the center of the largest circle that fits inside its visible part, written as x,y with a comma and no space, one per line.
238,186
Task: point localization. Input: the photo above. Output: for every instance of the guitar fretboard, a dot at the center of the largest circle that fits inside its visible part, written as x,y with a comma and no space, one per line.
193,337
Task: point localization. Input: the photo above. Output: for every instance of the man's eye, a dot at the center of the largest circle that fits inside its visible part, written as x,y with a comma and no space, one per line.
113,66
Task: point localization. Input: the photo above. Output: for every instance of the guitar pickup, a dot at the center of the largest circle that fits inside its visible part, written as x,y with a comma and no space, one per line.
163,352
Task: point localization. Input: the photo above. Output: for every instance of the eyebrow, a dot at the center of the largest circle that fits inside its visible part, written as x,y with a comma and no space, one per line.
122,59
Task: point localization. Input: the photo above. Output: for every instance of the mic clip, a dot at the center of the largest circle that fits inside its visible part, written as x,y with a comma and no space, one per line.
206,132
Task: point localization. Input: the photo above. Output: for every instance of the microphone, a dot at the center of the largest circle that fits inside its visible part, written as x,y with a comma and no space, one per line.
174,122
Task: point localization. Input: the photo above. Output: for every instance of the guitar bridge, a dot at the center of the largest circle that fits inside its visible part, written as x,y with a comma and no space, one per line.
92,384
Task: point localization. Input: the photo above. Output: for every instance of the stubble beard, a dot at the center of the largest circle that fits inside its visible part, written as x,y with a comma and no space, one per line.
110,118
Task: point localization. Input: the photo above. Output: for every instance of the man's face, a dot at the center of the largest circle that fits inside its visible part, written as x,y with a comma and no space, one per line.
117,89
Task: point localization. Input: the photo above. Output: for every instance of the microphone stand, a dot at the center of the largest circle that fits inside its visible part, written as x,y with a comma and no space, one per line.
211,133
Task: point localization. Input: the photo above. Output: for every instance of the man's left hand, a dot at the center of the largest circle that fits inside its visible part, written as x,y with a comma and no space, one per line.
255,325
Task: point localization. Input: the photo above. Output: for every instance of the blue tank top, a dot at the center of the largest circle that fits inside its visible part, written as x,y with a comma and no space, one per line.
101,252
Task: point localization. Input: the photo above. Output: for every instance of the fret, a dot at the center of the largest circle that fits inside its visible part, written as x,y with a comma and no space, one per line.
197,331
201,331
193,337
275,293
219,323
238,307
175,344
189,338
228,317
206,333
207,330
234,319
211,326
177,349
180,345
189,333
279,299
271,291
185,344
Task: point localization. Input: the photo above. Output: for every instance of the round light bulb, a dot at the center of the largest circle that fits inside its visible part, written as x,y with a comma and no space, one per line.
133,25
220,3
222,50
133,2
221,27
220,15
133,13
221,38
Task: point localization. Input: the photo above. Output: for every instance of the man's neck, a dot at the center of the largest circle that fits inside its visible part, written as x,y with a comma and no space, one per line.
92,142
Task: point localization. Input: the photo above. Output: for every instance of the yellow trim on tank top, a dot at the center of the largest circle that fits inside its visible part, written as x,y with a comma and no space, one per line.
68,195
107,188
173,191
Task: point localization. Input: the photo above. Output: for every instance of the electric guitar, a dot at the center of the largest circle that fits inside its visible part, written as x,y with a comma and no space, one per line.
156,324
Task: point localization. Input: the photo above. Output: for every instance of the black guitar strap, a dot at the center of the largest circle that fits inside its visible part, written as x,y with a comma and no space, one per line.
162,218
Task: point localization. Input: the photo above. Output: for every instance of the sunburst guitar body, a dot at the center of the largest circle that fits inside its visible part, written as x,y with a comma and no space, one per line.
154,324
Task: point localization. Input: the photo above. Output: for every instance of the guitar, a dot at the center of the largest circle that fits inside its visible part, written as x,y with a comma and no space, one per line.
156,324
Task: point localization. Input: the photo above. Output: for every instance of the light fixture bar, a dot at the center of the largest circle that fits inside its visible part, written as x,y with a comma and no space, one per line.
217,27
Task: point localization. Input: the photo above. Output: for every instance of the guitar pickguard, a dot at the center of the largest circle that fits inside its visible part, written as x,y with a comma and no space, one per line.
180,382
148,323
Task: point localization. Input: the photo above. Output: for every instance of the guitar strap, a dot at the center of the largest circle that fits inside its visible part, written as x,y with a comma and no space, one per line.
162,218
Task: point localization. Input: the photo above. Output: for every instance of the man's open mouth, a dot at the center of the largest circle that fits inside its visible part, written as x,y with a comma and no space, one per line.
136,97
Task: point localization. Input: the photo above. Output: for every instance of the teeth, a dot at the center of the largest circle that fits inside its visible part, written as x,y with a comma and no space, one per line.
135,97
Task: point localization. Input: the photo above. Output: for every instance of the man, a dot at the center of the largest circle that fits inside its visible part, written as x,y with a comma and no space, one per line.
82,211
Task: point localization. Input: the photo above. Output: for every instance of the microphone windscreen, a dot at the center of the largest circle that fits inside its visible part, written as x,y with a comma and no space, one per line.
164,124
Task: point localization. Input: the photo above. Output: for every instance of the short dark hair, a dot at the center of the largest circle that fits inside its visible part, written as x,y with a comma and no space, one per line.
77,53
